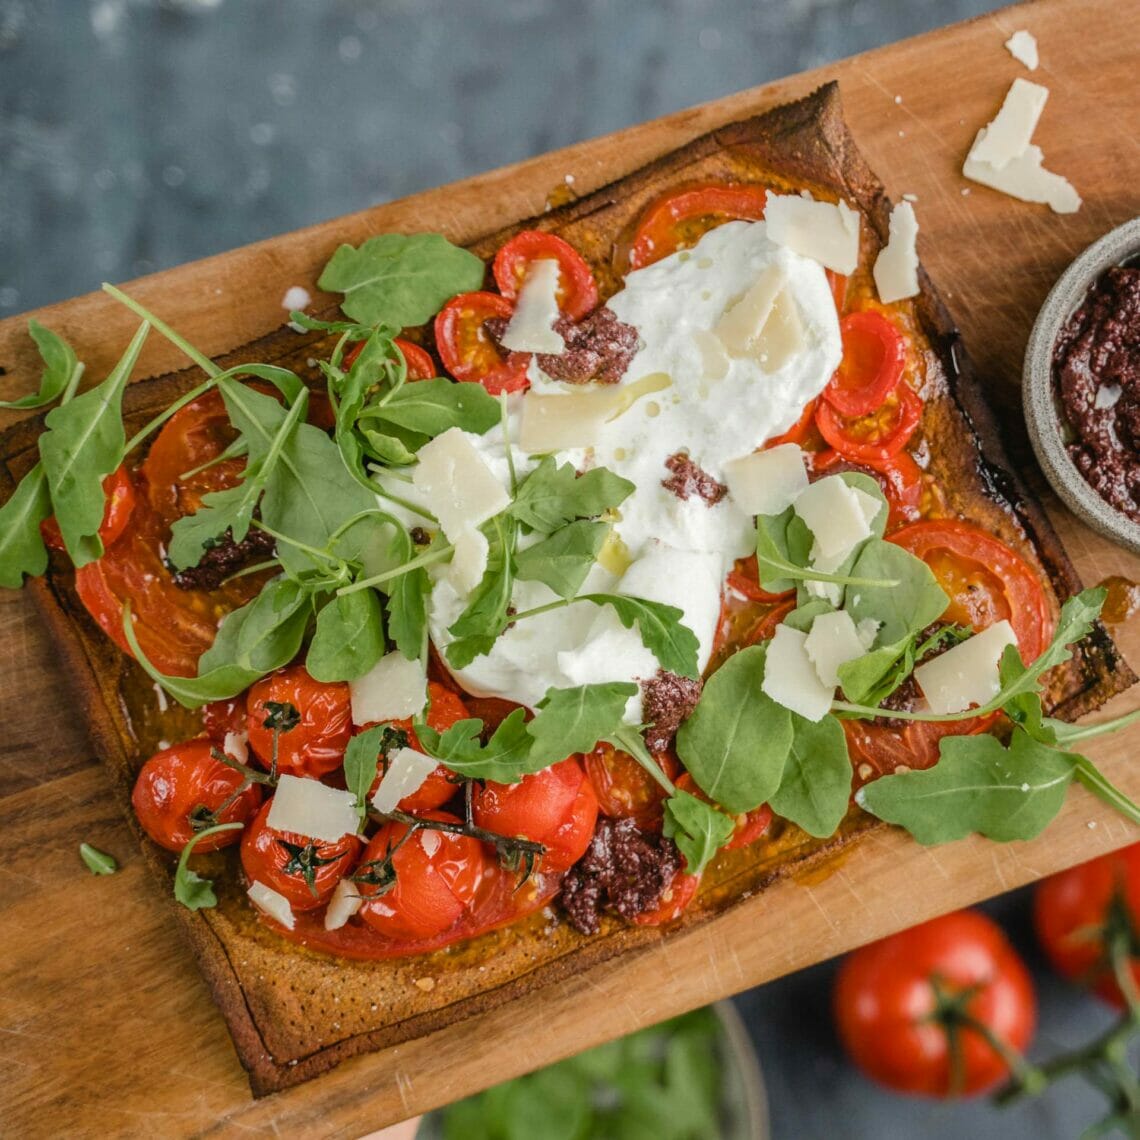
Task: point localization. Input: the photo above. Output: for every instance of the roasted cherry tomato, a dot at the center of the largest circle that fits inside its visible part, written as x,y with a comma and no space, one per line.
303,869
895,1004
466,350
674,899
874,354
314,721
437,877
765,626
744,578
800,431
419,364
577,289
556,807
119,491
1080,912
838,285
184,786
680,218
220,718
444,710
750,825
624,789
874,437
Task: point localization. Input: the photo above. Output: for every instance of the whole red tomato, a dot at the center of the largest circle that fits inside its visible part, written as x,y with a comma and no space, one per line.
1079,912
182,784
556,807
904,1005
313,719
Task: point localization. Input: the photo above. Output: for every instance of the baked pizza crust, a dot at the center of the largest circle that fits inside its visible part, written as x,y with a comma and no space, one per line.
294,1014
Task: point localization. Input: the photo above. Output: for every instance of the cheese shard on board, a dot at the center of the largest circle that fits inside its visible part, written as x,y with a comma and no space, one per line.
531,328
312,809
469,560
460,488
272,903
790,678
1011,130
1026,179
393,689
896,267
767,482
836,516
825,231
742,325
345,902
833,641
967,674
556,423
1023,47
407,770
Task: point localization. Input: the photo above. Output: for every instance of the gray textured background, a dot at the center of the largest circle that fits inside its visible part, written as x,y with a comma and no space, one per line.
135,135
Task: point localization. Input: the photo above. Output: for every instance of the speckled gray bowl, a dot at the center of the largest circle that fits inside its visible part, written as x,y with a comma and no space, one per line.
1041,412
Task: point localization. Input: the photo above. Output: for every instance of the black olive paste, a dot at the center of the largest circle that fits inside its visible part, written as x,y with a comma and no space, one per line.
1096,367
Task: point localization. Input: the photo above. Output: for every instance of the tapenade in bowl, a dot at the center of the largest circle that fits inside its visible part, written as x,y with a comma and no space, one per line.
1082,386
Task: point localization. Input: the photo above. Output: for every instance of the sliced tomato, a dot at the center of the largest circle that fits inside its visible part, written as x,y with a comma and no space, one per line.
875,437
119,491
874,354
744,578
577,289
466,350
838,284
680,218
800,431
624,789
419,363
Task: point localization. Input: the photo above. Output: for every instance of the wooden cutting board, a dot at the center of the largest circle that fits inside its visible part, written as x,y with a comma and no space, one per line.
106,1028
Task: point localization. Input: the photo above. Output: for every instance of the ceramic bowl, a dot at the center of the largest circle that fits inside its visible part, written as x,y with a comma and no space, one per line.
1042,415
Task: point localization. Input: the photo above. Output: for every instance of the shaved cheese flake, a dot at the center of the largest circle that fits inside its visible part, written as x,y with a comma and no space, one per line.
833,641
312,809
270,902
236,744
1009,134
406,773
832,511
767,482
1026,179
468,561
531,328
557,423
345,902
825,231
783,335
1023,47
460,488
896,267
966,675
740,328
393,689
790,678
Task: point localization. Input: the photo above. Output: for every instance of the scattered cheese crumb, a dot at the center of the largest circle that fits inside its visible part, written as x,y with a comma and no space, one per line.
1023,47
898,98
296,297
910,197
896,267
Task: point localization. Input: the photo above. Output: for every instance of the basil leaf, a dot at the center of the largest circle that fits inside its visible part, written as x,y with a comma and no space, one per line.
815,787
399,280
96,861
574,720
977,786
903,609
349,637
563,559
361,763
190,889
662,632
505,758
698,829
61,373
552,496
736,741
430,407
22,549
81,446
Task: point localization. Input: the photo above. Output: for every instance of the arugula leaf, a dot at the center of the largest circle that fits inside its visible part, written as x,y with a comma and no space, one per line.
815,787
190,889
361,763
563,559
487,612
804,615
905,608
96,861
552,496
1025,709
872,678
399,280
736,741
349,637
61,373
698,829
81,446
388,449
977,786
430,407
505,758
22,549
407,612
662,632
574,720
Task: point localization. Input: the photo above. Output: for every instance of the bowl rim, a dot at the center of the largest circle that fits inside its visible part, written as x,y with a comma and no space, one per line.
1041,414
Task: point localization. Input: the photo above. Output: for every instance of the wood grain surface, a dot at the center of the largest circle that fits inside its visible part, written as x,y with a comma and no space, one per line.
106,1028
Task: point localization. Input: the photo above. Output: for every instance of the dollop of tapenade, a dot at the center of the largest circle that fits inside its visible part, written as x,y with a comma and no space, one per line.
223,558
624,869
666,700
686,479
1096,367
